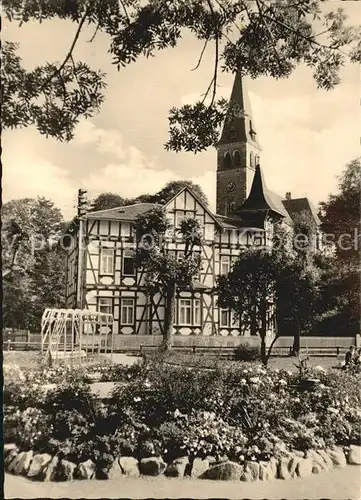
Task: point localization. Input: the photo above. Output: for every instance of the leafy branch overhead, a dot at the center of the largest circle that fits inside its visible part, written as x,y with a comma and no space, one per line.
256,37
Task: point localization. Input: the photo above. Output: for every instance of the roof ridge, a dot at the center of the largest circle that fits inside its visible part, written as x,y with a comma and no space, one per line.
124,206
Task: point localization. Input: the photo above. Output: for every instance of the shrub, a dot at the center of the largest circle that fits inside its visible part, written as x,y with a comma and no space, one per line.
29,429
242,410
171,435
246,352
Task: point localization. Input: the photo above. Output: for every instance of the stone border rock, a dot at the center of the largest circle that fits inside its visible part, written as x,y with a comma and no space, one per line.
44,467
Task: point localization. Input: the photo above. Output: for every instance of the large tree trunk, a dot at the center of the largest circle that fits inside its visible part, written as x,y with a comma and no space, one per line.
296,340
276,337
263,333
169,318
254,321
264,357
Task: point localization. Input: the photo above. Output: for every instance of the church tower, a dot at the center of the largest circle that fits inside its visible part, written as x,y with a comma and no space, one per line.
238,151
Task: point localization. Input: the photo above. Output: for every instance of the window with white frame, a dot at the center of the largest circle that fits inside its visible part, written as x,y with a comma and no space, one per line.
128,267
197,312
189,312
105,305
127,308
179,216
225,318
225,264
106,261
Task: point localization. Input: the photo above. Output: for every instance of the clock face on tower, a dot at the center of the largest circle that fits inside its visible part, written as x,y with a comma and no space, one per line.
230,186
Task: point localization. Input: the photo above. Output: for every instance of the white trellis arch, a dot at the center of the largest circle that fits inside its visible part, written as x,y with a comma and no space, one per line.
69,335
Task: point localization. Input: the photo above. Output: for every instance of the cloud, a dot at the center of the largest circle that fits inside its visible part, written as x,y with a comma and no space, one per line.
129,172
134,174
104,141
306,140
29,176
193,97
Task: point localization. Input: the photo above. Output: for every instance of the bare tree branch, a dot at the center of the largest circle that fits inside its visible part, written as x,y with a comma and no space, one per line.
216,60
225,11
201,56
74,69
216,56
269,31
208,89
95,33
70,52
310,39
121,3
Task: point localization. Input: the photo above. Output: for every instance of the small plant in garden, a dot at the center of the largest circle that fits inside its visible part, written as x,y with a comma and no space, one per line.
303,367
247,352
243,411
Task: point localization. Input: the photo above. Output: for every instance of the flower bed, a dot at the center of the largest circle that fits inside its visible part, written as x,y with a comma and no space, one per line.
180,420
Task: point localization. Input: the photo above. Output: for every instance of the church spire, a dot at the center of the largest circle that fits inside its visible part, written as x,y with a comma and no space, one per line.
237,150
239,123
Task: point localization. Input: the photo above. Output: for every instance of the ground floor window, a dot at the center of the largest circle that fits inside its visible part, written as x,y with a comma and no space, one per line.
105,305
189,312
227,319
127,311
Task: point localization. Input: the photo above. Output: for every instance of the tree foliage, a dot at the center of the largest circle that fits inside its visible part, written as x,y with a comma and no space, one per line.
51,97
266,282
106,201
166,272
35,262
258,37
341,221
111,200
304,233
341,213
173,187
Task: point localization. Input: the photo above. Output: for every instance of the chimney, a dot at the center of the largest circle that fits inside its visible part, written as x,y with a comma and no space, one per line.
288,195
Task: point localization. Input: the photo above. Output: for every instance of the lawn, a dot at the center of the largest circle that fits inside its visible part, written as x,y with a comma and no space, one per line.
29,359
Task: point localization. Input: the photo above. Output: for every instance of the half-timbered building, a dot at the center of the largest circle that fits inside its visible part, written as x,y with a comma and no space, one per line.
101,271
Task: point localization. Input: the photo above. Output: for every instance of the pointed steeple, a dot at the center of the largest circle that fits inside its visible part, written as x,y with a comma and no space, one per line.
238,151
239,124
259,199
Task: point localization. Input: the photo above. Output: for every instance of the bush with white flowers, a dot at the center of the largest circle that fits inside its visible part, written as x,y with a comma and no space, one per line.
242,411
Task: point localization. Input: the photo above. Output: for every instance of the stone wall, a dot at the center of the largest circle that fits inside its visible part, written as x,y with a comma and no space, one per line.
44,467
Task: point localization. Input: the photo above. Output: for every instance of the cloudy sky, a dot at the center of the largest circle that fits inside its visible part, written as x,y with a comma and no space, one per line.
307,135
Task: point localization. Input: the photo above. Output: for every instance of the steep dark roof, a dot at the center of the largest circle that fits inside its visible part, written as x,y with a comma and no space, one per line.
237,125
126,213
230,222
260,199
298,205
278,202
235,223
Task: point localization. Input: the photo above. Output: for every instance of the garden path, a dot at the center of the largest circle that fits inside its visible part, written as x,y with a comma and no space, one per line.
123,359
335,485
